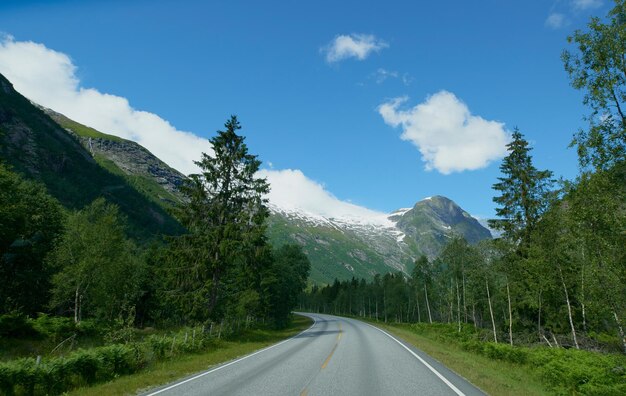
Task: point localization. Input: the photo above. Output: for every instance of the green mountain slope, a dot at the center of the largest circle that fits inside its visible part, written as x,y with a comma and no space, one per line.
39,148
433,221
141,169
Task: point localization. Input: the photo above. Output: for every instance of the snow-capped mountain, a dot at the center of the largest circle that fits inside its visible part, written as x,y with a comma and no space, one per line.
350,246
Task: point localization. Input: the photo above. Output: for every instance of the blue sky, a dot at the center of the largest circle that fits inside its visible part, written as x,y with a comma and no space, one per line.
194,63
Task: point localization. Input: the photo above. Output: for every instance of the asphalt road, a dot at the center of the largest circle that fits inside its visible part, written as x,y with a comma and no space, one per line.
335,356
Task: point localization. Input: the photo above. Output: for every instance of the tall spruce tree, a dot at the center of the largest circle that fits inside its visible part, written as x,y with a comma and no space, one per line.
522,201
223,213
523,194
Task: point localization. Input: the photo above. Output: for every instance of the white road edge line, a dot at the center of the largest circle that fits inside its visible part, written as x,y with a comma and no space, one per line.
431,368
231,363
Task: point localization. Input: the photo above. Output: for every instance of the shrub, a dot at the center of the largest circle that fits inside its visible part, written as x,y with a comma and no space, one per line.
55,327
16,325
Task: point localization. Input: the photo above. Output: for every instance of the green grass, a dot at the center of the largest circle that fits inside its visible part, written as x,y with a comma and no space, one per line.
492,376
85,131
164,372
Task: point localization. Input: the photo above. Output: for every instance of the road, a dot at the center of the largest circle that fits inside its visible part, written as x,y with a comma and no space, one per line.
335,356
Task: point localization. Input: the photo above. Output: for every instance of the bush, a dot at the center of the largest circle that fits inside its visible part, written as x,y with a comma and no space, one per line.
87,366
16,325
55,327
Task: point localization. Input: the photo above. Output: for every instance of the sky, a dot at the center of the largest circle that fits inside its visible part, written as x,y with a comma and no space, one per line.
355,108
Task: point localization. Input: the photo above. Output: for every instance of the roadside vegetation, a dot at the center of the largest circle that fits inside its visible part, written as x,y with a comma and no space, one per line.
152,357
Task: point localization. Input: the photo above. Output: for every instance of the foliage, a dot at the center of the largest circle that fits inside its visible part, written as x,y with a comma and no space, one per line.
565,371
224,214
523,191
98,270
597,67
30,220
285,281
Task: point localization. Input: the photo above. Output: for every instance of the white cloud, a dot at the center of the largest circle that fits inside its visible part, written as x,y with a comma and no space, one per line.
292,191
555,20
382,74
447,135
358,46
48,77
586,4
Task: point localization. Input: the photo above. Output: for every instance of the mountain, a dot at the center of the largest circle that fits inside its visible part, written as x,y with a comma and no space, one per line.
433,221
338,248
141,169
346,248
78,163
37,147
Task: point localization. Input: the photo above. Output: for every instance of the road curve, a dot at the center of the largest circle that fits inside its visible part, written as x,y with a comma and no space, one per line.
335,356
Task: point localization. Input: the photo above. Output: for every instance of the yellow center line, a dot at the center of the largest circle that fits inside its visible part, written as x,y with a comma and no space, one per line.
329,356
304,392
334,347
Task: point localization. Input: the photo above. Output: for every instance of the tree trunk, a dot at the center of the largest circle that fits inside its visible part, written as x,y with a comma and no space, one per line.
620,329
464,298
76,305
385,304
508,294
569,309
582,291
474,315
458,305
376,308
493,322
430,318
417,303
539,332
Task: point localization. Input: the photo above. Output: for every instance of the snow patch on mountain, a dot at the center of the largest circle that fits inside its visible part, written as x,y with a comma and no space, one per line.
295,194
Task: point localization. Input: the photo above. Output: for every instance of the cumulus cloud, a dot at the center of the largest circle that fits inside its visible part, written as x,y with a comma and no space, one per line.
48,78
555,20
586,4
358,46
291,190
448,136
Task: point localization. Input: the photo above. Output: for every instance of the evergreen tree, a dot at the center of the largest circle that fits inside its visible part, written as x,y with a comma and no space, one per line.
224,214
523,193
284,282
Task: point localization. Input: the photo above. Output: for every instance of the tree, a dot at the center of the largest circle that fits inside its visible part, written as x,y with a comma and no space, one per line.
598,68
422,273
30,221
284,281
98,269
523,193
598,212
224,212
